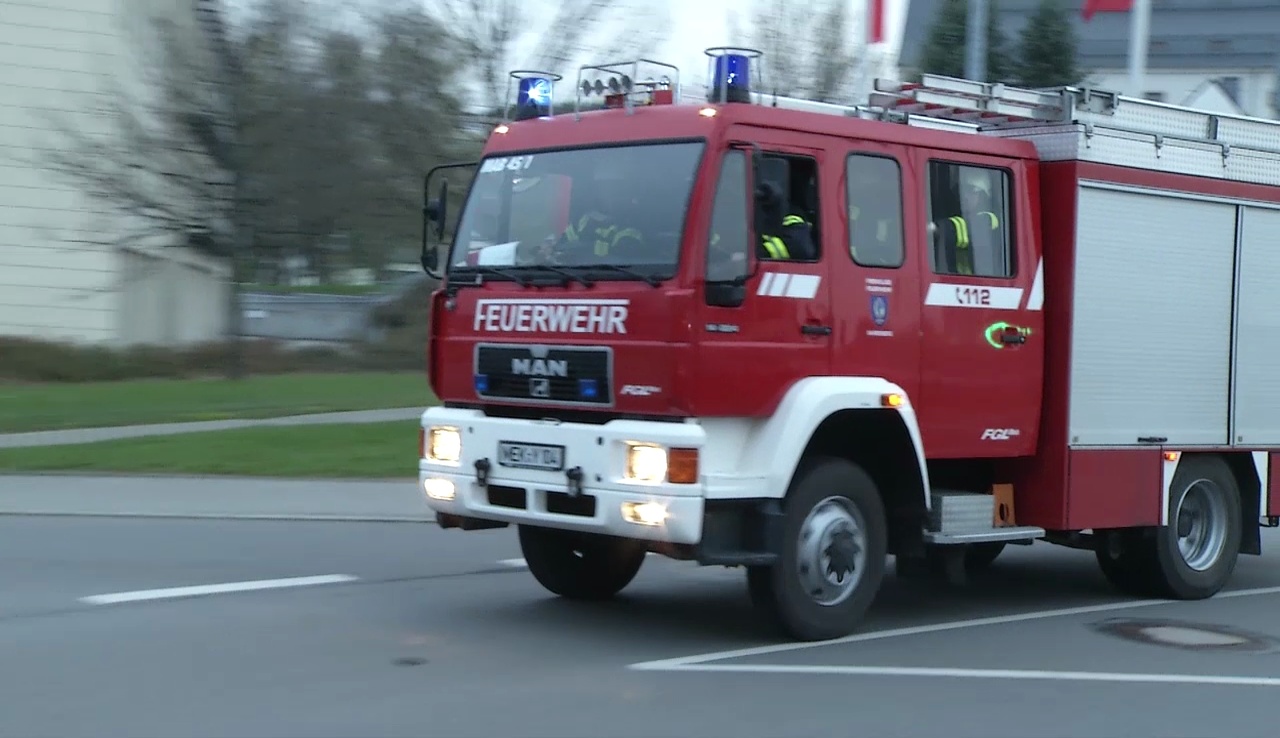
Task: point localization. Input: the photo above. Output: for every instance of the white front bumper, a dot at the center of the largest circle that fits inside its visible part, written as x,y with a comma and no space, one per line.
539,497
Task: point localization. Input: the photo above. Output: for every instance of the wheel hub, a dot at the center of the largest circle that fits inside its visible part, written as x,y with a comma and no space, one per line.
831,551
1201,525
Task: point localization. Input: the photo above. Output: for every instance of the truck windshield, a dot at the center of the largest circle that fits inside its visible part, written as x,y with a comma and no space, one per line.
586,210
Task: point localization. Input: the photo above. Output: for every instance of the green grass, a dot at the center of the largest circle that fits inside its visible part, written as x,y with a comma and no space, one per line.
350,450
32,407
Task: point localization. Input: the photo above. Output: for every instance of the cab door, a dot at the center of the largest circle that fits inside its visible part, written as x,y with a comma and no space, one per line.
876,298
981,320
779,328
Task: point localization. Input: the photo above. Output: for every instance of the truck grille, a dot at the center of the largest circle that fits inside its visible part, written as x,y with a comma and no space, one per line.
564,375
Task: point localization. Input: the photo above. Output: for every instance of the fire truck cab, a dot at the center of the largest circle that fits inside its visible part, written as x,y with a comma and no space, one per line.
748,330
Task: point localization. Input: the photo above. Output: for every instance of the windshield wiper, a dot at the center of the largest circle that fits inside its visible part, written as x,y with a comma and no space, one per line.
481,270
652,280
567,273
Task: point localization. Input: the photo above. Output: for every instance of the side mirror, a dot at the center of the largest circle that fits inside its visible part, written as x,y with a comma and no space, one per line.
434,216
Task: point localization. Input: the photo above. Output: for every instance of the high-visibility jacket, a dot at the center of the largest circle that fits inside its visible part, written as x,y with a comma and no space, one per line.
958,234
604,235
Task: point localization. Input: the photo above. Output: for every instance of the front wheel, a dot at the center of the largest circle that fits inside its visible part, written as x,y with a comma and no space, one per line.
580,566
832,561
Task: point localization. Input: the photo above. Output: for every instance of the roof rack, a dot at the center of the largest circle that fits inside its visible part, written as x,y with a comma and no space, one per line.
995,106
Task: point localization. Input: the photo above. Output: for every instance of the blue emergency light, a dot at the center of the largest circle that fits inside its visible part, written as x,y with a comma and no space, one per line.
533,99
730,74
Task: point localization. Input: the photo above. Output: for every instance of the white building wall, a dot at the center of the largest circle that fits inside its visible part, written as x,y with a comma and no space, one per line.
1178,87
63,273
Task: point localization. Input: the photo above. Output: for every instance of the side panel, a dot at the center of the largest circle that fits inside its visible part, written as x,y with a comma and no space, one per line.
1257,346
1152,331
1114,488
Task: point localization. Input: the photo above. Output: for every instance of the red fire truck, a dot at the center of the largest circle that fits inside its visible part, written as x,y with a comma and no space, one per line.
1005,315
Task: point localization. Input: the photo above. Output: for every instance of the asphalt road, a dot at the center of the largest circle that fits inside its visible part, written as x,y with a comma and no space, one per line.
422,632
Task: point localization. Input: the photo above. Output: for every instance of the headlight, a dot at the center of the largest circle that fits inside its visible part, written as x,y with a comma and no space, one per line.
646,463
444,445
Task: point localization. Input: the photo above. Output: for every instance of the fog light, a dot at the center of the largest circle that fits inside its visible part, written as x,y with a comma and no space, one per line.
444,445
645,513
438,489
646,463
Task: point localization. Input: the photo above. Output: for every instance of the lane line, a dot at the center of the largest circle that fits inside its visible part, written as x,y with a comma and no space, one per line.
676,664
208,589
1065,676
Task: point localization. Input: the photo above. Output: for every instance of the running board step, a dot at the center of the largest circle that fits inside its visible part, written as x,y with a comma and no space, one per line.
990,535
961,517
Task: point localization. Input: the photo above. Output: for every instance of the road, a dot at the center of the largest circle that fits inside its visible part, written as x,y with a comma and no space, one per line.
415,631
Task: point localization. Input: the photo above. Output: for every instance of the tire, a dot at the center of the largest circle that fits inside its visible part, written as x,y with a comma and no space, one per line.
828,496
980,556
1125,562
580,566
1194,556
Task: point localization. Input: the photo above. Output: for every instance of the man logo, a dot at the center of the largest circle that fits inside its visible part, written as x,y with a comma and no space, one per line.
540,387
540,367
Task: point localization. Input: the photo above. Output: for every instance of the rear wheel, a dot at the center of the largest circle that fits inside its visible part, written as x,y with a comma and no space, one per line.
979,556
833,553
580,566
1194,556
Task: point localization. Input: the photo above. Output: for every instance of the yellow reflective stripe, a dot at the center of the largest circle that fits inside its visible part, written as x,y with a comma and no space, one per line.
964,255
570,233
626,233
791,220
995,222
776,248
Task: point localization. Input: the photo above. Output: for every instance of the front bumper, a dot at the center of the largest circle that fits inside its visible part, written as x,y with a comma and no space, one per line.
590,494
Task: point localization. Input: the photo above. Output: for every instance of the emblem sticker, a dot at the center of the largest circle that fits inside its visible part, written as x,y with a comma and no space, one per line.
879,309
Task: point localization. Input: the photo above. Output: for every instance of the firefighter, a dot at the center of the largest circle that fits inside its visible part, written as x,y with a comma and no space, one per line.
788,238
600,232
959,233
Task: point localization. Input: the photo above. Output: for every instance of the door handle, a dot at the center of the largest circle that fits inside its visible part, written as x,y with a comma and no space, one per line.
816,330
1012,336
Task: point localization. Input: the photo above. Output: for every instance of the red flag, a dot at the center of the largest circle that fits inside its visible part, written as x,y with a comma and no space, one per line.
1104,6
875,21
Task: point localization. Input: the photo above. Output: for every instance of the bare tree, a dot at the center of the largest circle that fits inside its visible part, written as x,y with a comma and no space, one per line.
807,47
491,32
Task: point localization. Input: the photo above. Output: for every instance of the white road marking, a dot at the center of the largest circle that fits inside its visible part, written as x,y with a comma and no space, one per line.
697,662
207,589
1071,676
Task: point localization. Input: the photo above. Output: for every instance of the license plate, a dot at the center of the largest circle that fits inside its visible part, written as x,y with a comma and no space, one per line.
530,455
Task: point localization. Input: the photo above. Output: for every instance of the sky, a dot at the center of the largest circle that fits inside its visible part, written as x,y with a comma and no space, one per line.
695,26
699,25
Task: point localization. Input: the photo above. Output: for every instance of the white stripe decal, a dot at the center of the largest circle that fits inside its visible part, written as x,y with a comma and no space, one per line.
803,286
1262,463
974,296
1035,300
782,284
1169,468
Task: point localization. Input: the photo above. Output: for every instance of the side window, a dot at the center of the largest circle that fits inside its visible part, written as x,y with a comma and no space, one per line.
787,209
875,211
969,223
728,240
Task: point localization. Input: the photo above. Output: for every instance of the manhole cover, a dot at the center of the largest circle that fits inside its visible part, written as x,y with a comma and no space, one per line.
1189,636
